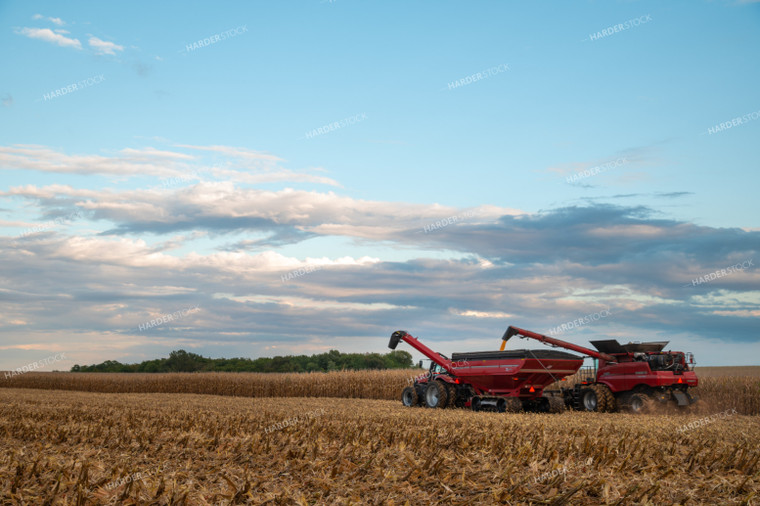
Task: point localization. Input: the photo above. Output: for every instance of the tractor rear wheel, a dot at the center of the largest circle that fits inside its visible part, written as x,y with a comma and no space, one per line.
436,395
409,397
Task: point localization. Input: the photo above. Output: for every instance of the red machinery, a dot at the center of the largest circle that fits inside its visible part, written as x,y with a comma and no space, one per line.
497,380
628,375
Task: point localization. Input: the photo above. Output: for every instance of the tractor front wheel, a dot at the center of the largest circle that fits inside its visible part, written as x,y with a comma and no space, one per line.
409,397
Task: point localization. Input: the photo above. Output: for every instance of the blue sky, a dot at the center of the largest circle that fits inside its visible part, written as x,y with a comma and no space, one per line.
354,144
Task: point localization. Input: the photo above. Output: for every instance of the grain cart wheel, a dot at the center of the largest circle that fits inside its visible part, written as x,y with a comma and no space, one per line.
451,391
607,402
475,403
409,397
513,405
436,395
556,404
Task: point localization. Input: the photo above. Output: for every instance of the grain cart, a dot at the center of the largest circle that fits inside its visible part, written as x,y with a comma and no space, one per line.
489,380
628,375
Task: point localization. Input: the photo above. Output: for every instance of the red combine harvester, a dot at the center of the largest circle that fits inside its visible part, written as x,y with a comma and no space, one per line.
628,376
516,380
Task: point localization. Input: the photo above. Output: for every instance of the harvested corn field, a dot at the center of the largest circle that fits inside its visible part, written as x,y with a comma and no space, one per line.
90,448
716,393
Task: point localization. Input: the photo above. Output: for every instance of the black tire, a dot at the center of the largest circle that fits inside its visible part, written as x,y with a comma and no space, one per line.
607,402
513,405
409,397
475,403
556,404
589,399
436,395
639,403
598,398
451,390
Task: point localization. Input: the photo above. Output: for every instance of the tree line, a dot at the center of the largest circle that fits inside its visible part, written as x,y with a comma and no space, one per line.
182,361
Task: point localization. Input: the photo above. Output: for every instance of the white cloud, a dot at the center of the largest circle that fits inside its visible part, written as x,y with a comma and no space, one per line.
57,21
104,47
49,35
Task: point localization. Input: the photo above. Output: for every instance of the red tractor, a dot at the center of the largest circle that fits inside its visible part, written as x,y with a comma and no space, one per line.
627,376
515,380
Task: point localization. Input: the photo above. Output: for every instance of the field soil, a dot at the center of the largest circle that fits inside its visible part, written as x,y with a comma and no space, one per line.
70,447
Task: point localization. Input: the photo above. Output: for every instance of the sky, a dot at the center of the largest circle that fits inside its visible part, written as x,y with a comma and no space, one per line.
251,179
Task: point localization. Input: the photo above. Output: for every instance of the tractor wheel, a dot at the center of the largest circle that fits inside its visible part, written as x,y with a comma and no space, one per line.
409,397
451,391
436,395
607,402
556,404
639,403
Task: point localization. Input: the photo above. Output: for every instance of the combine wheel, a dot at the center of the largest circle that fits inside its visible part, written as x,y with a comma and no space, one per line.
639,403
451,390
589,399
409,397
556,404
436,395
607,402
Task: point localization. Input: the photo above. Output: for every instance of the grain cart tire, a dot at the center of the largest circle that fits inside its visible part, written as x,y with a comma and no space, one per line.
409,397
556,404
513,405
451,391
607,402
475,403
639,403
436,395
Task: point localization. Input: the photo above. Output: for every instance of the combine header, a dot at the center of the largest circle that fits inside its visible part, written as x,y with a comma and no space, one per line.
512,381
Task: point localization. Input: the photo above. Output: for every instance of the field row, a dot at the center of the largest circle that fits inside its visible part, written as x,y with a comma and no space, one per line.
716,393
88,448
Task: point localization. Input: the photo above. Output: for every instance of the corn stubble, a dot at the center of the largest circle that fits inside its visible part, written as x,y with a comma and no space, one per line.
716,393
71,447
